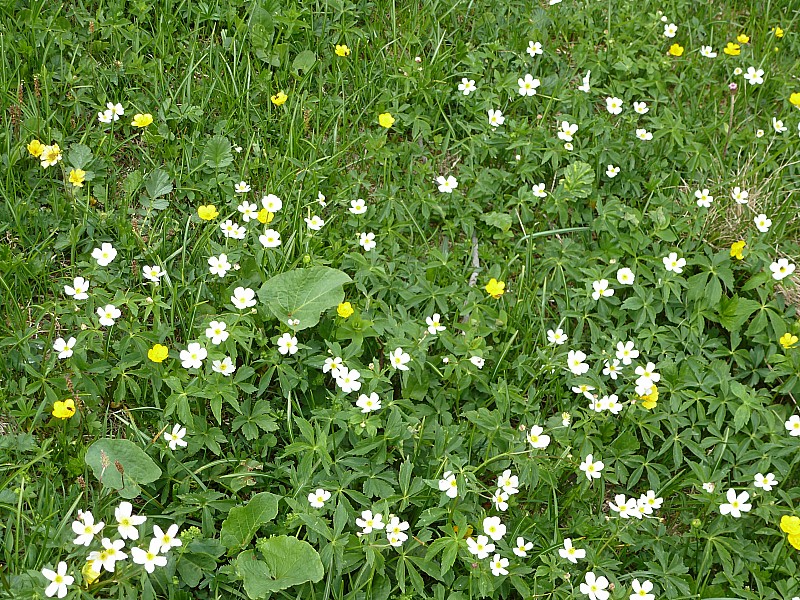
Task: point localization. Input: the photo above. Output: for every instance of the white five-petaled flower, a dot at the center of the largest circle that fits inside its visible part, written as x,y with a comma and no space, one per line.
478,361
626,352
739,195
358,206
333,365
765,482
287,344
673,263
367,241
175,437
447,184
104,254
64,348
536,437
754,76
193,357
522,547
793,426
612,171
585,87
641,591
570,552
641,108
781,268
567,130
575,362
111,553
612,368
736,505
480,547
534,48
434,324
318,498
704,200
557,337
273,204
224,366
624,506
778,125
219,265
150,558
399,359
527,85
369,522
708,52
601,289
448,484
496,118
762,223
108,314
498,566
248,210
85,528
591,467
314,223
644,135
217,332
116,110
466,86
614,105
79,288
670,30
509,482
127,521
59,580
369,403
647,375
500,499
625,276
168,539
153,273
348,380
595,587
242,187
243,298
270,239
538,190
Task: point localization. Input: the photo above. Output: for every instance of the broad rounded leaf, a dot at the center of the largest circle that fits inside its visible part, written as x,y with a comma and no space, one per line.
243,521
303,294
287,562
104,457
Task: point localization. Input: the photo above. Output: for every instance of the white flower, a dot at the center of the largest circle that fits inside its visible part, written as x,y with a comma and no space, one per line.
625,276
584,389
498,566
249,211
781,268
509,482
536,438
611,369
754,76
127,521
85,528
527,85
601,289
641,591
496,118
108,314
111,554
367,241
480,547
224,366
154,273
534,48
243,298
703,198
242,187
759,133
192,357
575,362
449,486
778,125
217,332
287,344
538,190
644,135
738,71
612,171
494,528
79,288
399,359
229,229
219,265
736,505
434,324
149,558
568,146
270,239
641,108
673,263
762,223
626,352
175,438
739,195
358,207
591,468
566,131
708,52
395,531
500,500
272,203
321,199
447,185
168,539
595,587
104,254
623,506
64,348
614,105
347,380
793,426
478,361
333,365
115,109
59,580
647,375
466,86
651,500
522,547
765,482
318,498
670,30
584,87
314,223
571,553
368,403
709,487
368,522
556,337
105,117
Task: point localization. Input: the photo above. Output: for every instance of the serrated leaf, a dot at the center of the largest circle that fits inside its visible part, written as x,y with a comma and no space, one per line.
243,521
735,311
217,153
157,184
578,179
497,219
79,156
104,457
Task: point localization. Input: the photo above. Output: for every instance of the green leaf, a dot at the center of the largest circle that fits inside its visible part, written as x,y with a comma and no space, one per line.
243,521
303,294
79,156
287,562
578,179
303,61
217,153
105,455
262,27
735,311
497,219
157,184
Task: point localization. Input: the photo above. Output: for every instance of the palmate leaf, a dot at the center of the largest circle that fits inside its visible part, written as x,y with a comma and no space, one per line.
217,153
303,294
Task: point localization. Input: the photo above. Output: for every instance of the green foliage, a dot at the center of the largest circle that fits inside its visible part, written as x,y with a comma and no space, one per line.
121,466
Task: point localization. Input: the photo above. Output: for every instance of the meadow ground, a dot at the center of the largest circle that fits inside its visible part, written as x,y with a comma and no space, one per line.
425,299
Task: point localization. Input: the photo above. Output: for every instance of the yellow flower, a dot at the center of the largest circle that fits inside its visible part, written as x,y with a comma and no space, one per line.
742,38
795,99
89,574
794,540
736,249
77,177
342,50
495,288
778,32
788,341
651,399
676,50
265,217
790,524
345,309
142,120
65,409
386,120
279,98
732,49
207,212
157,353
50,155
36,148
